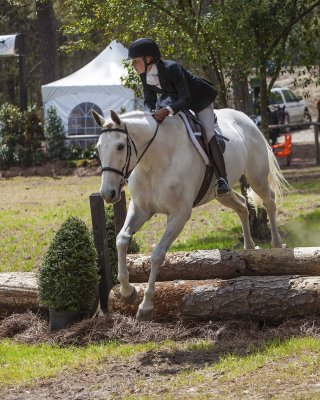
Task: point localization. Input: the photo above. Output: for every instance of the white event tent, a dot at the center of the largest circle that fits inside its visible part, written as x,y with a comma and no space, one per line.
97,85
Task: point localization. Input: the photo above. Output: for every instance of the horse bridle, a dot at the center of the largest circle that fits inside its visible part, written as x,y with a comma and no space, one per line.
125,172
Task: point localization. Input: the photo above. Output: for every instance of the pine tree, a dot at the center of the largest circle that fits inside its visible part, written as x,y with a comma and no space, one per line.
55,135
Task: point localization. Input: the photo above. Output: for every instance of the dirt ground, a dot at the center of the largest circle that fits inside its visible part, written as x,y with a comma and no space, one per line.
148,373
53,169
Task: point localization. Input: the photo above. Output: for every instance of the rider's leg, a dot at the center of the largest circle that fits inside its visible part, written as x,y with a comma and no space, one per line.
206,117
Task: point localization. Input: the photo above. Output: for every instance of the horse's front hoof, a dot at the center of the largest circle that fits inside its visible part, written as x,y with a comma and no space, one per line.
144,315
130,299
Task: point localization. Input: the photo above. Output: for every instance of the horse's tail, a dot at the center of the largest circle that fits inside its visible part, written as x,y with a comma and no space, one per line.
277,181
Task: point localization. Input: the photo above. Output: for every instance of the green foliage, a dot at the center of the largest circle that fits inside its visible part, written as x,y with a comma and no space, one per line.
215,38
68,276
20,136
54,134
11,133
73,152
77,153
132,79
91,152
112,248
33,135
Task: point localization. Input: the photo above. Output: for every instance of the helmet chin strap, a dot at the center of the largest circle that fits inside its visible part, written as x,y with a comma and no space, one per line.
146,64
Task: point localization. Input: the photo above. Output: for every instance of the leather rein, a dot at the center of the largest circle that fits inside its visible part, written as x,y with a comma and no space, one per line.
125,172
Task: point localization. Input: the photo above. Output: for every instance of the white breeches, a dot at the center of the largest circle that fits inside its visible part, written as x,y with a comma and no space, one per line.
206,117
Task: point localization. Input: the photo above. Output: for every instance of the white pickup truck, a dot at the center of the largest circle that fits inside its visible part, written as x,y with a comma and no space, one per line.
296,109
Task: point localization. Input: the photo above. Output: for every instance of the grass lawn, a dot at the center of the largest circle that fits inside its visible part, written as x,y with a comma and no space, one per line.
21,363
32,209
280,369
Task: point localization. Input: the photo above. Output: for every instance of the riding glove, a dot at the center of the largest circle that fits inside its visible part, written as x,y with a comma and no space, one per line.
161,114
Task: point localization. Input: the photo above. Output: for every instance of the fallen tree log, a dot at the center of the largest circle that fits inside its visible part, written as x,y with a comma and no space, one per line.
18,292
260,298
227,264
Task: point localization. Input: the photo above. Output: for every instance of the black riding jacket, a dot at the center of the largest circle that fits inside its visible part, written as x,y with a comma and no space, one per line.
179,89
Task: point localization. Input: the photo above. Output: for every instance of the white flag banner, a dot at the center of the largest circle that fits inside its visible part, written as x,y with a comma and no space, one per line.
7,45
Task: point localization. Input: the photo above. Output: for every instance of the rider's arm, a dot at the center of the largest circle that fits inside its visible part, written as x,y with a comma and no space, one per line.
179,80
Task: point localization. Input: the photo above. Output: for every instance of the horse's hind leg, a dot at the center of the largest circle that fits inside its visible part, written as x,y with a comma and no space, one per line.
134,220
263,190
239,205
174,226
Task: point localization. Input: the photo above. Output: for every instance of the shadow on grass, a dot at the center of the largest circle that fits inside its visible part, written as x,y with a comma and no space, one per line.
228,239
236,340
303,231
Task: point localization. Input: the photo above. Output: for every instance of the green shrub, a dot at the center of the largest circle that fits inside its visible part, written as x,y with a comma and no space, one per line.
11,133
91,152
55,135
33,135
5,156
20,136
68,275
73,153
111,240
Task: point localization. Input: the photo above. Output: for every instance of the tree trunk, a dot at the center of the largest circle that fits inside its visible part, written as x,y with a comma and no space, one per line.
48,40
241,94
264,103
261,298
226,264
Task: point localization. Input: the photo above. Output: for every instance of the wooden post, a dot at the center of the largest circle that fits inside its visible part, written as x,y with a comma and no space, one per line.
100,239
22,72
120,213
316,141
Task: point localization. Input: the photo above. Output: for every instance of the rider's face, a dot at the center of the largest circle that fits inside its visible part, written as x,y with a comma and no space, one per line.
138,65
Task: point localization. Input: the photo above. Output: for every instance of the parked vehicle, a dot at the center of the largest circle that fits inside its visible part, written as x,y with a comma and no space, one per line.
284,107
295,108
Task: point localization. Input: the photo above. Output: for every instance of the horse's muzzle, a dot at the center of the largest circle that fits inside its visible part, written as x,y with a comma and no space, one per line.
111,196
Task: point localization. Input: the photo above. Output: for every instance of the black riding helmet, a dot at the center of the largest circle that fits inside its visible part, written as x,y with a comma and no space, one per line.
144,47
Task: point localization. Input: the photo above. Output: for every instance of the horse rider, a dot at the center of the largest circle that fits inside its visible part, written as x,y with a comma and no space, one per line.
179,90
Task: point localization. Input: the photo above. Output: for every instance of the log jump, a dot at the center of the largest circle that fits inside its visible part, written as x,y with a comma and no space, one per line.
256,297
227,264
215,284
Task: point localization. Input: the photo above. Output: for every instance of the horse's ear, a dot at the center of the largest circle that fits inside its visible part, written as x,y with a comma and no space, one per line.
98,118
115,117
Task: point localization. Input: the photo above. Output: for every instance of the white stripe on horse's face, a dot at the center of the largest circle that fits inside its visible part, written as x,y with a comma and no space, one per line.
112,148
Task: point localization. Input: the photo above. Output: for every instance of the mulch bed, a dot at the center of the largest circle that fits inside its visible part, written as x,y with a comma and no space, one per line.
33,329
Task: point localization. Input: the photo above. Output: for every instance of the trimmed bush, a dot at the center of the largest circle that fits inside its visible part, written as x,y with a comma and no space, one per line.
112,248
68,275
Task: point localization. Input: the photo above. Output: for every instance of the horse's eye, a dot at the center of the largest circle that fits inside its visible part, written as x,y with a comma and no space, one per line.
120,147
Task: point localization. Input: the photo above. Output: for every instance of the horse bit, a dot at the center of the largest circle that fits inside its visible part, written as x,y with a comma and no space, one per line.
125,172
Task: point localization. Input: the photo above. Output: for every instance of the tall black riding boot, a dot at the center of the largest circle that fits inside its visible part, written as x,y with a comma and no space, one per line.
222,186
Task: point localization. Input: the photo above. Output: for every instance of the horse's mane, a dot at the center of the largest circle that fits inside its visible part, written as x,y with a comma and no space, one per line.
137,117
134,114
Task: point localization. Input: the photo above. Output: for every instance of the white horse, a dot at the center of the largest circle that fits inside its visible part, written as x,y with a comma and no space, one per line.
167,174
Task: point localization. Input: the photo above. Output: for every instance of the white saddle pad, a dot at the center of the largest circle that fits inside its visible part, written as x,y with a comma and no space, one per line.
193,138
